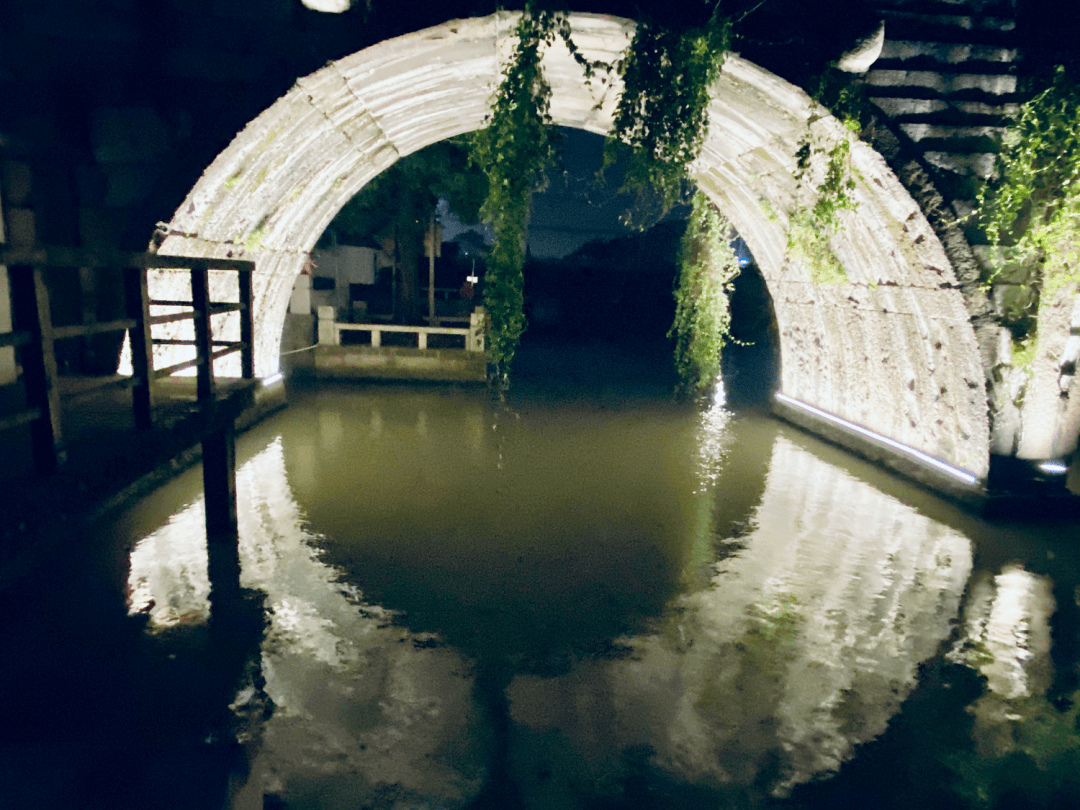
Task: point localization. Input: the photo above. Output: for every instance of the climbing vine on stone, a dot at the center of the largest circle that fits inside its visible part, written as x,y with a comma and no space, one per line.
514,150
662,115
832,184
1033,206
707,268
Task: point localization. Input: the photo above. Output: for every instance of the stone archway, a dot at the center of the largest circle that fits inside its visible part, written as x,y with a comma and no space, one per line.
892,349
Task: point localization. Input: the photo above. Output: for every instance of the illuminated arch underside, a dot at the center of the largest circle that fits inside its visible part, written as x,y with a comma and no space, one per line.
892,350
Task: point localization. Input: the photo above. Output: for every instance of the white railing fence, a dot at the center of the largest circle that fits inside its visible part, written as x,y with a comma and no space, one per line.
330,330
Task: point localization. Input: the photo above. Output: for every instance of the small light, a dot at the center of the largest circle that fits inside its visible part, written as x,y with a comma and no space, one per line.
273,378
956,472
1054,467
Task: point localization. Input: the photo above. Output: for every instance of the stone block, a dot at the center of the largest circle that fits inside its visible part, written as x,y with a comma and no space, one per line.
920,132
952,53
366,362
897,107
979,164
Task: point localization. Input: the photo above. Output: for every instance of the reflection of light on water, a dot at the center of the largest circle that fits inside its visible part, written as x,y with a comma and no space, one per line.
1007,632
354,701
804,646
168,580
714,436
1006,638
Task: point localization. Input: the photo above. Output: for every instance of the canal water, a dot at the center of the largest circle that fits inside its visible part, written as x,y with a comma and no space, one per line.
589,597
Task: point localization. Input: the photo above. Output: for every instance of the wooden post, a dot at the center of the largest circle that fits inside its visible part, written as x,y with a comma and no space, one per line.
200,301
30,300
219,483
247,331
137,301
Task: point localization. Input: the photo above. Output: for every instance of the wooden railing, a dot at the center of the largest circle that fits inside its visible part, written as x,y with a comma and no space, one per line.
35,335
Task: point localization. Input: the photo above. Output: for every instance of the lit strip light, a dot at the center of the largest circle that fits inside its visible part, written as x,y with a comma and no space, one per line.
956,472
273,378
1054,467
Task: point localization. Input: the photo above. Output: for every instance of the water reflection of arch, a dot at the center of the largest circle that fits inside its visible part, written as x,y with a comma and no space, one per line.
805,645
358,703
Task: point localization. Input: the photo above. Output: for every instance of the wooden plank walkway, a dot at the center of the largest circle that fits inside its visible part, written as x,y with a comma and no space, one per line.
70,447
108,462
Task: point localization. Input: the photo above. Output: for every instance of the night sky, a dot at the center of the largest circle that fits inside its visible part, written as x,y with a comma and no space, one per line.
576,208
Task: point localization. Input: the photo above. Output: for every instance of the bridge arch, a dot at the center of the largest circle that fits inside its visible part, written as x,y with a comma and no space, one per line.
892,349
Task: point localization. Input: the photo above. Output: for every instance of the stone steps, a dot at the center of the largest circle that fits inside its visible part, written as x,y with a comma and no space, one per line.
946,79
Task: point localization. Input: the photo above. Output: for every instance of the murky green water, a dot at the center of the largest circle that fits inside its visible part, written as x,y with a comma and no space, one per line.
599,599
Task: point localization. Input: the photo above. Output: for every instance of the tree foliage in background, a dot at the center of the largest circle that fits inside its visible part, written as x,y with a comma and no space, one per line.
1033,204
707,268
662,115
405,195
514,150
400,202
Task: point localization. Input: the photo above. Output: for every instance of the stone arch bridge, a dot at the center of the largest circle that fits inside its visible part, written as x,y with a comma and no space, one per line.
911,347
892,349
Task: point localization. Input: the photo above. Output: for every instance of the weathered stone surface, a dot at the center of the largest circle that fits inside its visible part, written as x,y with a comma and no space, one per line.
945,83
947,53
919,132
1051,412
978,165
863,53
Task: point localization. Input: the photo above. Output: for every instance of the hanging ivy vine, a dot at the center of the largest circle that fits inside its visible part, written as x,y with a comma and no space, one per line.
660,124
661,119
514,150
707,268
832,185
